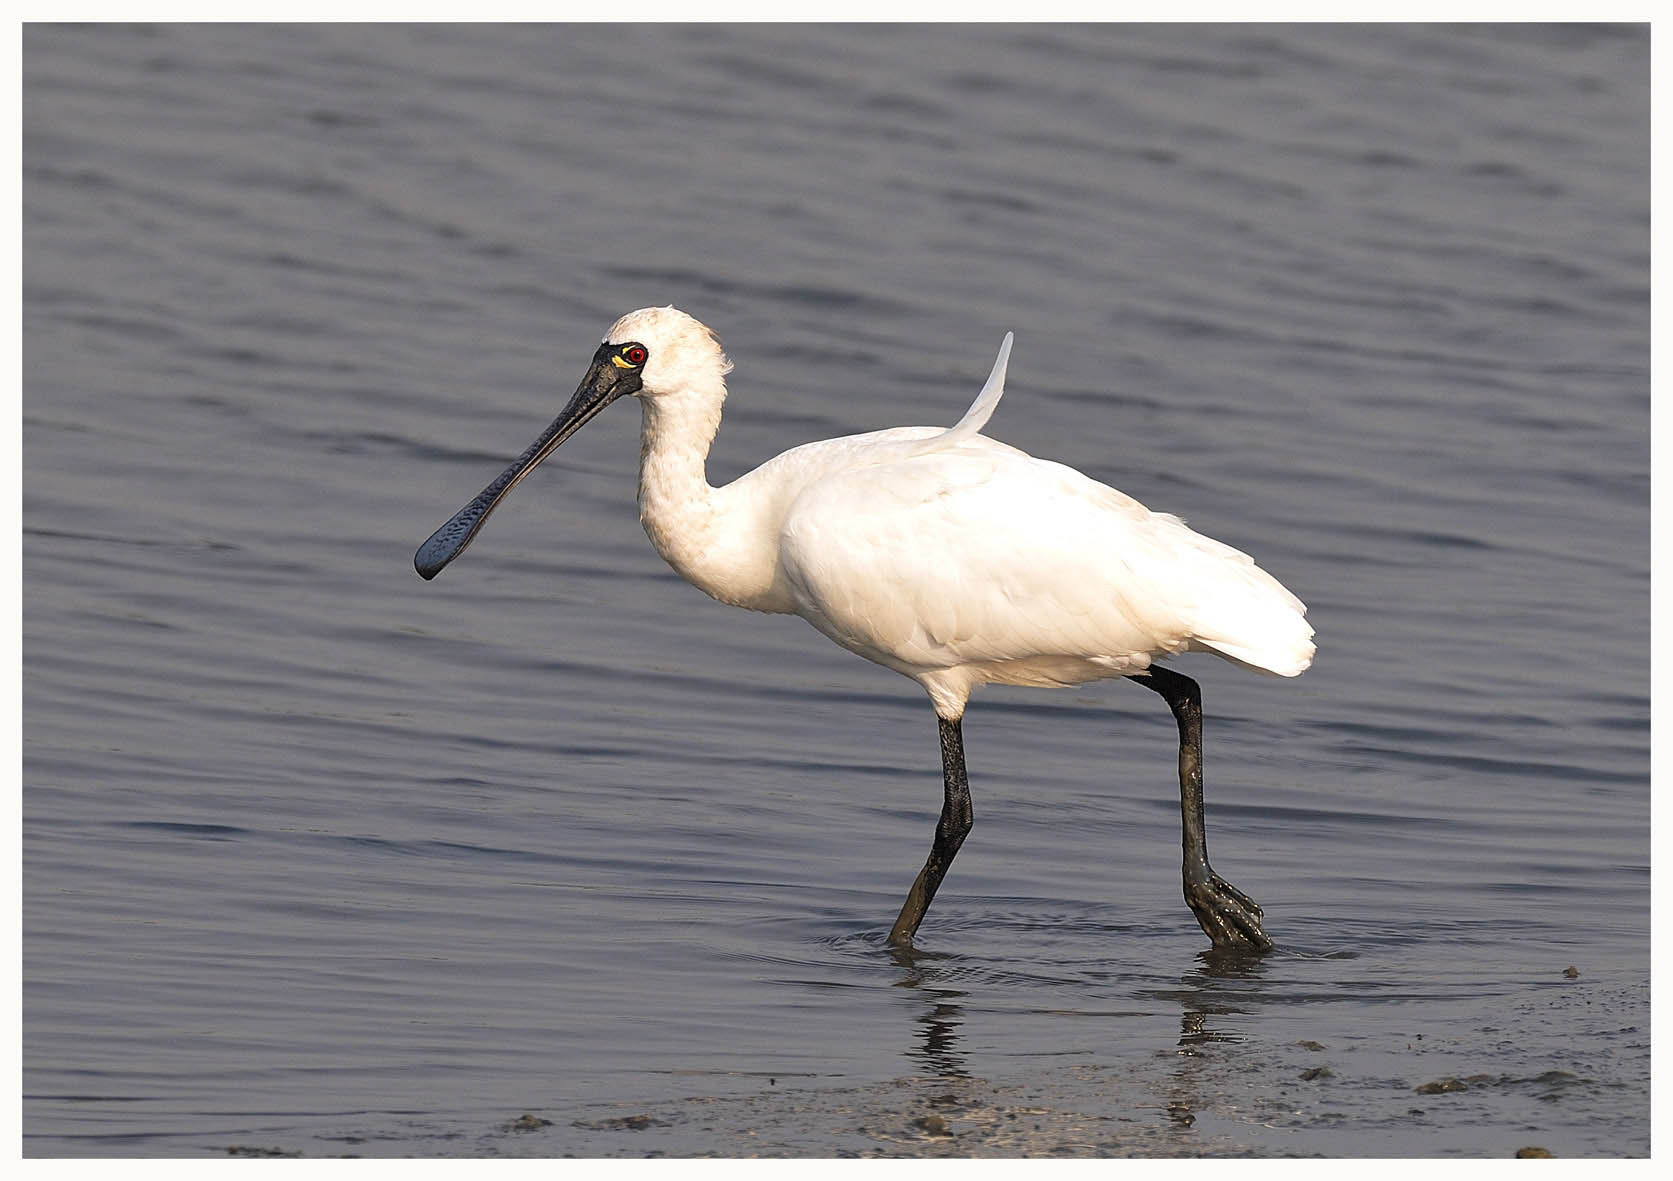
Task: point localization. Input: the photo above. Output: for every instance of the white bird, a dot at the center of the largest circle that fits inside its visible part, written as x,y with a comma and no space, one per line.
945,555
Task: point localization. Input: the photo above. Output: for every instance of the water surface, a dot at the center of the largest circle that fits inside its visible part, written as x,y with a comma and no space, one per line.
322,859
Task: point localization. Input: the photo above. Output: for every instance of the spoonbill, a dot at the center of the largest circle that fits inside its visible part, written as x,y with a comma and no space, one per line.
941,553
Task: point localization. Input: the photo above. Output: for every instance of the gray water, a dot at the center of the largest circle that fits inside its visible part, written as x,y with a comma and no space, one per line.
556,856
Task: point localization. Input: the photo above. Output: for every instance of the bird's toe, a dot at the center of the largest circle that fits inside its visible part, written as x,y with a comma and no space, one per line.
1228,916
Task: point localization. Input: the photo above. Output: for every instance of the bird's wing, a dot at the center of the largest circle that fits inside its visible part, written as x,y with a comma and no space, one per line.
981,554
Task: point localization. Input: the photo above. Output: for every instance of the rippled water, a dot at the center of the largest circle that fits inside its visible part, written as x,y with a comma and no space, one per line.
322,859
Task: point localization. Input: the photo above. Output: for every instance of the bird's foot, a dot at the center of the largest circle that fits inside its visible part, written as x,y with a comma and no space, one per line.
1229,917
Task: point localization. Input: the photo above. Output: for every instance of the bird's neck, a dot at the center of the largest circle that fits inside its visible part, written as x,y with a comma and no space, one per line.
718,539
676,503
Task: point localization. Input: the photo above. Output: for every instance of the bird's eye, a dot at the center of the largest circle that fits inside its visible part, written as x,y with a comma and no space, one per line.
634,354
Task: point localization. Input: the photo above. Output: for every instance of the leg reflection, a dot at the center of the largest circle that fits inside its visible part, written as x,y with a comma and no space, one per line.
1213,998
937,1051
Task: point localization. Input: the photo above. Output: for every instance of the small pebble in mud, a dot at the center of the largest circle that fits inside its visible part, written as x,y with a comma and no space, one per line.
1313,1072
935,1125
1311,1045
527,1122
1572,972
1442,1085
1534,1151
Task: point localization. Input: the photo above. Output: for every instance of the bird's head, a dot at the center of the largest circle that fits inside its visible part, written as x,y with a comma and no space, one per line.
660,351
654,353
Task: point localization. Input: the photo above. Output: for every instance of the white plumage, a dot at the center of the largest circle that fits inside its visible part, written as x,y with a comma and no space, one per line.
941,553
950,557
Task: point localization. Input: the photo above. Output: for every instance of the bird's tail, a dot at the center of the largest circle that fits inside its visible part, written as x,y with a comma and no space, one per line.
1243,613
1288,658
1265,627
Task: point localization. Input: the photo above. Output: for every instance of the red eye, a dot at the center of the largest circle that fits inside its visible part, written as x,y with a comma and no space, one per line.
635,354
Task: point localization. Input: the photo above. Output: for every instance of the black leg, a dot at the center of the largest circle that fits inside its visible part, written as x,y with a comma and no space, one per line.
950,831
1228,915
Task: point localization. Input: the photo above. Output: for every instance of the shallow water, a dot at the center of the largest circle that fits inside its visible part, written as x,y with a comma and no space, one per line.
321,859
